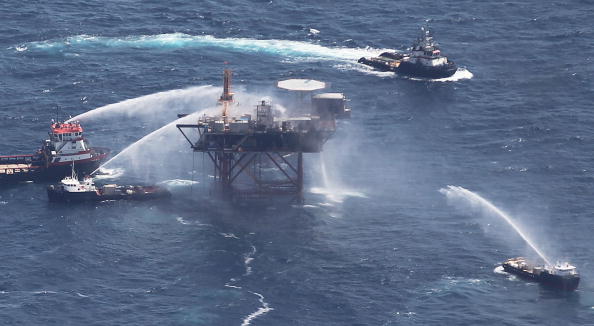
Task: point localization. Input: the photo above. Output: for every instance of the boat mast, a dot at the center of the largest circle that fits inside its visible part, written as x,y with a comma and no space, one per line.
73,173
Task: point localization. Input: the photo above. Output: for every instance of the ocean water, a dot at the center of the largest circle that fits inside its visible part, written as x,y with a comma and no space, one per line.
375,242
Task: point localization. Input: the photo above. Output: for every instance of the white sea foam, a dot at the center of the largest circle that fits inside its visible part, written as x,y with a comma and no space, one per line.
499,270
460,74
229,235
247,260
232,286
285,48
182,221
332,189
45,292
265,308
326,204
178,183
336,195
364,69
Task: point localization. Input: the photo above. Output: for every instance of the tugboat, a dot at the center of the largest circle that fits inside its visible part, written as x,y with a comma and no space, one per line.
562,276
425,60
66,145
71,189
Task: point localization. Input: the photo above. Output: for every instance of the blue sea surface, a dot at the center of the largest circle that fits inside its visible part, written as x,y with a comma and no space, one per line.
375,241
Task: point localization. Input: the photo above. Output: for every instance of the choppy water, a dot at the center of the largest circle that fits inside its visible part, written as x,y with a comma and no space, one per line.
375,242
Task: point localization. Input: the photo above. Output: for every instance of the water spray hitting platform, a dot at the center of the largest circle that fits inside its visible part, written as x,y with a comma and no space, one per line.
263,153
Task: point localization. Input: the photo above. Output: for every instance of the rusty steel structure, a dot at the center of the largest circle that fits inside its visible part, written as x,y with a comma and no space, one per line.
263,153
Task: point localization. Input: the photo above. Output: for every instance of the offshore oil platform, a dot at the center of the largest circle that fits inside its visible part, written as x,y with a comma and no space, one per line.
262,153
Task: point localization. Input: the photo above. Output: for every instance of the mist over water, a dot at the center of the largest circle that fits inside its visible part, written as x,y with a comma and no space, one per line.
156,155
164,139
330,185
455,194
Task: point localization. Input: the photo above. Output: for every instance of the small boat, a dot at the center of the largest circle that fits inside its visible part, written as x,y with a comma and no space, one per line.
562,276
71,189
66,145
425,60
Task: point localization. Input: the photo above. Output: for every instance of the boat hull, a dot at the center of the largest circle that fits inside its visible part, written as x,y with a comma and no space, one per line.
411,69
28,169
419,70
564,283
138,193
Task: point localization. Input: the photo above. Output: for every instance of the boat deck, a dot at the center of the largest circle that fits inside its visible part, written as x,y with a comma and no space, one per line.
15,168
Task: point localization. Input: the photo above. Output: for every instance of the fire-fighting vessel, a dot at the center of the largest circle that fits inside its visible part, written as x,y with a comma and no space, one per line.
562,276
71,189
66,145
425,60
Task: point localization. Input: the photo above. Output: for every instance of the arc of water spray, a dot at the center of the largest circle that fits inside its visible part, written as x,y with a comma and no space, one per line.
189,118
152,103
472,197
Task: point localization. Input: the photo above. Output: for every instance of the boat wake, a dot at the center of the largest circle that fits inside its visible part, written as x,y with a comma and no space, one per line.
365,69
500,270
283,48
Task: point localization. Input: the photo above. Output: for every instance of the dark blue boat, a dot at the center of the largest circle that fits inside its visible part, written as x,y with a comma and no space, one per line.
561,276
425,60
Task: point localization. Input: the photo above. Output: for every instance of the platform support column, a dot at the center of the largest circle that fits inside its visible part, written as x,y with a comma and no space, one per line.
300,172
225,168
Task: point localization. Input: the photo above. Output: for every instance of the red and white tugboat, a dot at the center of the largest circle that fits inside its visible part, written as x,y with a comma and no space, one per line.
66,145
